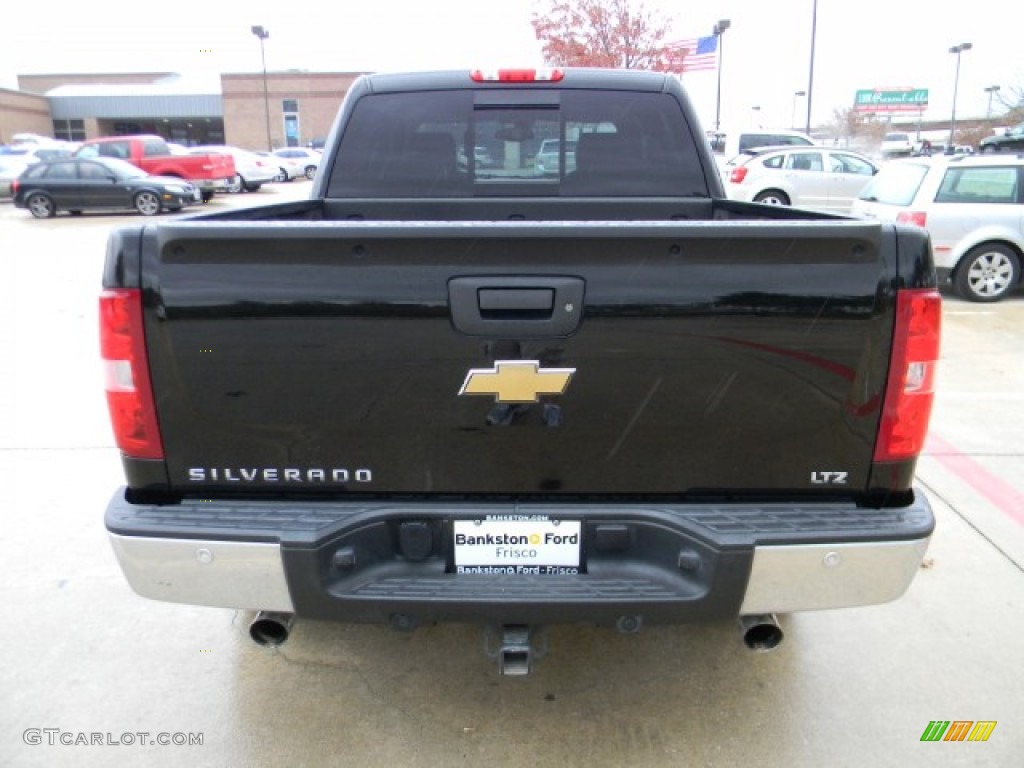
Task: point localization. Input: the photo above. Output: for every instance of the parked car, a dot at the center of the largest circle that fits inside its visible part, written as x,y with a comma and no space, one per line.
546,161
733,144
973,208
288,168
150,153
309,158
252,171
481,158
897,145
34,153
10,169
1013,139
806,177
76,184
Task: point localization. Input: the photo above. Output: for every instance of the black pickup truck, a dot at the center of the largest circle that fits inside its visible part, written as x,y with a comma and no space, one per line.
452,387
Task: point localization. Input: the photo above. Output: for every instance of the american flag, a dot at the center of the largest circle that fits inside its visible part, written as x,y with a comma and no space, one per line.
701,52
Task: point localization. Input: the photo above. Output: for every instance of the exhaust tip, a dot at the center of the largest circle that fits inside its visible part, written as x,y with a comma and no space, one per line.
271,629
761,633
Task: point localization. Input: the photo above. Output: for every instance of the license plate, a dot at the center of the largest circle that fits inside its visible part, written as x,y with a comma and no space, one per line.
517,546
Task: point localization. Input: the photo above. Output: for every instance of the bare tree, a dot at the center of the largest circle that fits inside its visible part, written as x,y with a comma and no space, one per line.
849,124
605,33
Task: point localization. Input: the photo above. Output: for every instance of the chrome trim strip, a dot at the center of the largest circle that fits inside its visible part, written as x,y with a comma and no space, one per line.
223,574
820,576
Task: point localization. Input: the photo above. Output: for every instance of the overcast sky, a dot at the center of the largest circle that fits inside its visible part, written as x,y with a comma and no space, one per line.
860,44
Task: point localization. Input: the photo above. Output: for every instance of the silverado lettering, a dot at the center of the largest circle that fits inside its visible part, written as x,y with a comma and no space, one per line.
751,384
275,475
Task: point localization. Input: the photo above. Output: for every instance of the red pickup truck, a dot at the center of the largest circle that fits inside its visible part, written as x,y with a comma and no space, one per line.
209,173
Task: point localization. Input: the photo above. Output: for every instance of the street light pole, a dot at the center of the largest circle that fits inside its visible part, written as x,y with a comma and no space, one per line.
719,32
810,74
957,49
991,91
792,114
263,34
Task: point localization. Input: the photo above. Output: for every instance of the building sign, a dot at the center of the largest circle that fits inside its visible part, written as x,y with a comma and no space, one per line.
886,100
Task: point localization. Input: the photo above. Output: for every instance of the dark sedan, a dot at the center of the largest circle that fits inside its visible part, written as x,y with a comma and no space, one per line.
76,184
1011,141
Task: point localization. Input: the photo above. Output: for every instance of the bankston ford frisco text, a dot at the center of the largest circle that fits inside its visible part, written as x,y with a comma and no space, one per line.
517,546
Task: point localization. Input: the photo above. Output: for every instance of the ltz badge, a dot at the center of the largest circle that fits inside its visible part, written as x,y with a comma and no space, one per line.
516,381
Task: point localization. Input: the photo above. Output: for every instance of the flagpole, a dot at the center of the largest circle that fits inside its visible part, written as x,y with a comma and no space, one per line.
719,32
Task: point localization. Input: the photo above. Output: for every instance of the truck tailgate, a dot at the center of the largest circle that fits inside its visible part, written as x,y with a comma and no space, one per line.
696,359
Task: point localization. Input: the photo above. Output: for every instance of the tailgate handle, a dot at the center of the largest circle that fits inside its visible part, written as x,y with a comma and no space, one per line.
508,301
516,307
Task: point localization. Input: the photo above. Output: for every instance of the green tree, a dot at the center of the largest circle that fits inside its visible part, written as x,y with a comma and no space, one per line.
605,33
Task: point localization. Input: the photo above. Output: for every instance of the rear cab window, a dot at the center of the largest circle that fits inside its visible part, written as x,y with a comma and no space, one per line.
155,148
505,142
117,149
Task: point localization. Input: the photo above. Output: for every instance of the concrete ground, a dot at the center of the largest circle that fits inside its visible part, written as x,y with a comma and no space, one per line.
87,660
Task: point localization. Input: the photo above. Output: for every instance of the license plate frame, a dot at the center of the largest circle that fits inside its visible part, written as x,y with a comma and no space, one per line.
517,545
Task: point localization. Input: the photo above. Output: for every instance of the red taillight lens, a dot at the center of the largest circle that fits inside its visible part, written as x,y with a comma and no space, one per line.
129,393
14,188
910,390
517,75
738,174
918,218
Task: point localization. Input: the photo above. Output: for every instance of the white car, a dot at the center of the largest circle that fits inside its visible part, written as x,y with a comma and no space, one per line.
973,208
308,158
252,171
34,153
10,169
546,161
897,145
806,177
733,144
288,169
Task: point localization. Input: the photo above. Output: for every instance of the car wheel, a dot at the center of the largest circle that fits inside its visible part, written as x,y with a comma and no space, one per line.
987,273
310,172
207,195
252,187
147,203
75,213
236,185
282,175
771,197
41,206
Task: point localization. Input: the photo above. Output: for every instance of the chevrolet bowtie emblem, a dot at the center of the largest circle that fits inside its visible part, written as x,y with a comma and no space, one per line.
516,381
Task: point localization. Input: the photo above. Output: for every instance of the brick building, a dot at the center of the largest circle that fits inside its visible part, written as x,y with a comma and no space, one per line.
22,112
233,109
301,106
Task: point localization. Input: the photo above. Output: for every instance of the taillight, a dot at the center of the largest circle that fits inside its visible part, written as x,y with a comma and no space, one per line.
738,174
126,369
14,188
910,389
516,75
918,218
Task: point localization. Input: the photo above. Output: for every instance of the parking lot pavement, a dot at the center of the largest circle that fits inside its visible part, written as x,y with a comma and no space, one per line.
87,660
974,457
